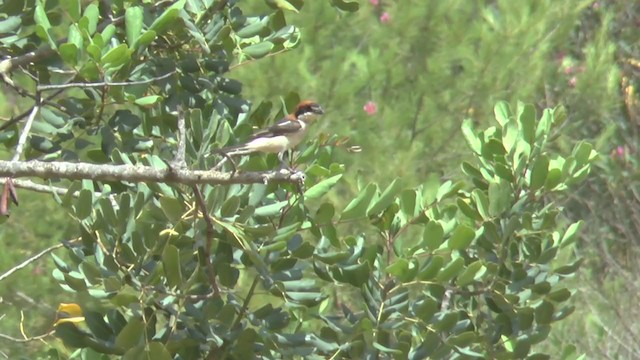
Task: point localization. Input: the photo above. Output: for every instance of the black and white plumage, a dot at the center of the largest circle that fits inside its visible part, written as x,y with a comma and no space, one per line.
282,136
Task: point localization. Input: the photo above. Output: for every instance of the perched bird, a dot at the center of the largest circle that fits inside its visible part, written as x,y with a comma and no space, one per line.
285,135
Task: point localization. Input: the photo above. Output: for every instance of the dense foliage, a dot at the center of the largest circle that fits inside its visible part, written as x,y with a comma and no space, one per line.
453,269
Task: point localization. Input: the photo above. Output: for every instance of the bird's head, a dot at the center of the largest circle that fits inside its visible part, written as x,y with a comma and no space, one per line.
308,110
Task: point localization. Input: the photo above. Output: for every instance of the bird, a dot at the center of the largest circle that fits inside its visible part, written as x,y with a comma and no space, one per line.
284,135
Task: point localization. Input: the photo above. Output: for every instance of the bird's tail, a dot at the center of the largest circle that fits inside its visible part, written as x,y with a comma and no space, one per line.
234,150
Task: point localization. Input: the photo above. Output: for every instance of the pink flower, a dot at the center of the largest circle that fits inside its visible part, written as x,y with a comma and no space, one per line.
374,2
385,17
370,108
619,153
572,82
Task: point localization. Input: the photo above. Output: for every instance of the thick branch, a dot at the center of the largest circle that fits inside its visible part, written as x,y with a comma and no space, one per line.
132,173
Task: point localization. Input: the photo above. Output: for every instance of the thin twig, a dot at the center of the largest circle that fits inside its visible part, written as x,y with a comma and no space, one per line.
210,234
14,120
48,189
25,131
24,93
103,84
26,340
30,260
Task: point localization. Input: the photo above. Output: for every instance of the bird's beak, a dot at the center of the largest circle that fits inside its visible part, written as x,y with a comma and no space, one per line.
318,110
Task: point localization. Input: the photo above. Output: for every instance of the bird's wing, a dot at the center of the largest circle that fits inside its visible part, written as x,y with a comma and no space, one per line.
282,128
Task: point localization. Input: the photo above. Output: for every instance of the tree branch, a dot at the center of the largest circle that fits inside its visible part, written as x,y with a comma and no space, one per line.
133,173
47,189
25,131
29,261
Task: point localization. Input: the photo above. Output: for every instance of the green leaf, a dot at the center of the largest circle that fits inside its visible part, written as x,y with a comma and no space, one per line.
582,153
168,17
469,274
500,195
290,5
147,101
131,335
157,351
386,199
554,178
145,39
69,53
432,267
482,203
349,6
467,209
324,215
99,327
172,208
544,312
10,24
451,270
357,208
571,235
472,139
72,8
502,112
230,206
464,339
433,235
40,17
258,50
538,175
84,204
90,18
171,265
527,122
133,20
355,275
461,237
320,189
117,56
254,28
510,134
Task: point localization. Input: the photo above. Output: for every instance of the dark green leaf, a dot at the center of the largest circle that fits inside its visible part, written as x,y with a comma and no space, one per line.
539,172
258,50
433,235
386,199
349,6
171,265
84,204
116,56
357,208
320,189
131,335
451,270
461,237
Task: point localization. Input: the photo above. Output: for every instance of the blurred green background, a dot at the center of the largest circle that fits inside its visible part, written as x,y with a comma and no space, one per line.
398,78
